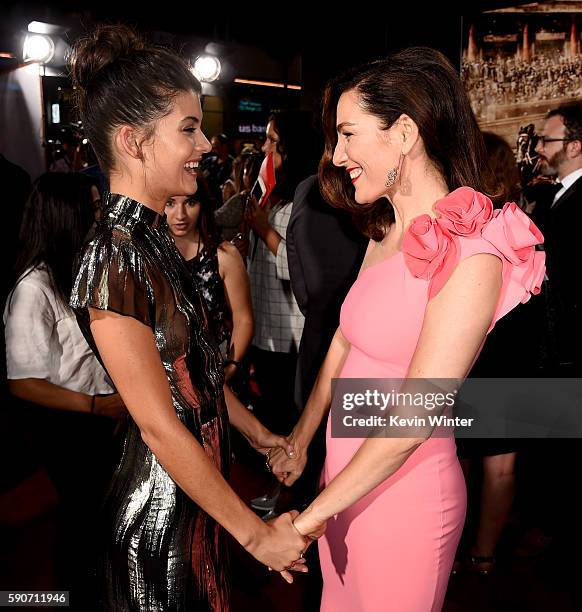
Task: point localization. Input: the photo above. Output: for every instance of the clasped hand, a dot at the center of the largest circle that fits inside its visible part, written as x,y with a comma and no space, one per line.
284,541
280,546
286,466
287,461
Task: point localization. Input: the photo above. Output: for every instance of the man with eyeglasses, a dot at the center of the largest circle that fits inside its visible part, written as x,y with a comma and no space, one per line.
560,153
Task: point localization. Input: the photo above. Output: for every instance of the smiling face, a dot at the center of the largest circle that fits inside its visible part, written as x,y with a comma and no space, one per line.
270,145
364,149
171,158
182,213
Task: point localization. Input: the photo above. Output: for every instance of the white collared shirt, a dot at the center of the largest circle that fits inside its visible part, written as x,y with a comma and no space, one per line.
567,182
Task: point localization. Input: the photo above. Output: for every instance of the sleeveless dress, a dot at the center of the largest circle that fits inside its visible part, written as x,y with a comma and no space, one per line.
394,549
162,552
210,285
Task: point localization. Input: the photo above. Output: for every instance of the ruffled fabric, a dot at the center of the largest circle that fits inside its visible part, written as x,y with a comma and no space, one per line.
464,212
426,247
467,224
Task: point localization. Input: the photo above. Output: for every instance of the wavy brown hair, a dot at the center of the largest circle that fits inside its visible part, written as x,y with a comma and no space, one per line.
421,83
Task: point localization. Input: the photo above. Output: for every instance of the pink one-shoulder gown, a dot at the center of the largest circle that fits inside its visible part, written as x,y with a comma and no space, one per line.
393,550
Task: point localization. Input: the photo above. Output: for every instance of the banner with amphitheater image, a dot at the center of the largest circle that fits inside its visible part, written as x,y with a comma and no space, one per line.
518,63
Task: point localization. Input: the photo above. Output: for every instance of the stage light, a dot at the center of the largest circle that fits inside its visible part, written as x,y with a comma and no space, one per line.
38,48
207,68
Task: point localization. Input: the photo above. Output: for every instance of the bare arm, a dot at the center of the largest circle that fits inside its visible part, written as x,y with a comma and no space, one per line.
238,297
257,435
45,393
130,355
288,470
320,399
455,325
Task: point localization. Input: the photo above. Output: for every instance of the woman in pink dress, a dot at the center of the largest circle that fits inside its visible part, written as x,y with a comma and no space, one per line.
405,155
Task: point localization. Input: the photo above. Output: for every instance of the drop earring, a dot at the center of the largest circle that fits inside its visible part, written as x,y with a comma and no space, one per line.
395,172
391,177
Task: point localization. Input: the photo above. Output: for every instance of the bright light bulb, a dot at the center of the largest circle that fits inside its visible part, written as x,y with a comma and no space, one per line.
206,68
38,48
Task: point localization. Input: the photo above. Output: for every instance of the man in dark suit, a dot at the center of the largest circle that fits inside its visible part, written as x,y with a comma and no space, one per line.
324,252
560,219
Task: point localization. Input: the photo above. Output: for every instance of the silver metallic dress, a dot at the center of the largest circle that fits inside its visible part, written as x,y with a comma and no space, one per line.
162,552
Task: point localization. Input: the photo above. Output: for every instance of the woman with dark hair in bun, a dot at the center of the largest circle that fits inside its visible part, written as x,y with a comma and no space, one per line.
169,503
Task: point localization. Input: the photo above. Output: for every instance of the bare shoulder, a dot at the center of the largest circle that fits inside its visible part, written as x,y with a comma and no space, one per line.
474,287
229,256
228,252
99,314
228,249
478,269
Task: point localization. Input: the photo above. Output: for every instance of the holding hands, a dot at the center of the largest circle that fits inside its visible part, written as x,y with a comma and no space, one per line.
280,546
289,535
310,525
267,443
288,466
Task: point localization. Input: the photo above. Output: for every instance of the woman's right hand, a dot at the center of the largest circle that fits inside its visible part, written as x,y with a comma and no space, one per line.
280,546
111,406
288,469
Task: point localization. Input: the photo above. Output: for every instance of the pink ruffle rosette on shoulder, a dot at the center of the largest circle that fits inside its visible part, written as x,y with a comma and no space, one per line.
467,224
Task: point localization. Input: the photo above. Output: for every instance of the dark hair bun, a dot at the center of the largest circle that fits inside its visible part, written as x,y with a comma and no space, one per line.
122,80
101,48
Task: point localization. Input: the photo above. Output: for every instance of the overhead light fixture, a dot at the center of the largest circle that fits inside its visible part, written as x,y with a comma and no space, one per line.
267,84
207,68
45,43
38,48
40,27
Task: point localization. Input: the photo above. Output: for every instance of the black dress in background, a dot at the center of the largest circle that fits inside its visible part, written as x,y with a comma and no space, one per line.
206,273
162,552
514,349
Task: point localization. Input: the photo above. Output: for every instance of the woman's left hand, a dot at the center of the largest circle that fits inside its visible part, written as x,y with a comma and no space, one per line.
257,217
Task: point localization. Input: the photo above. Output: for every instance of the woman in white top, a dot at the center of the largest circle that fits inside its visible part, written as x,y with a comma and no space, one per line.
50,366
48,361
